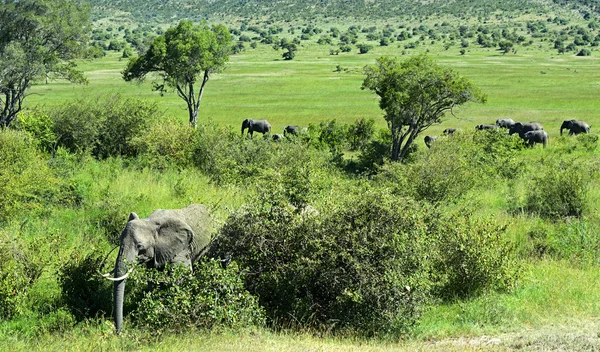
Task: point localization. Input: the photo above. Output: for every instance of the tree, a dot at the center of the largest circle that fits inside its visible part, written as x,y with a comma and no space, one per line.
182,56
38,38
415,94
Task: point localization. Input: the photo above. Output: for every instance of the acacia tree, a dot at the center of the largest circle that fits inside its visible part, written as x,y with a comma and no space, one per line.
184,55
38,38
415,94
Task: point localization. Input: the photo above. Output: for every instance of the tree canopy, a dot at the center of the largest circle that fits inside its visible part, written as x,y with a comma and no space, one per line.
184,55
38,38
415,94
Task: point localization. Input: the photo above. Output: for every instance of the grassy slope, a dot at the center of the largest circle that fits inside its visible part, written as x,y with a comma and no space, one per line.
534,84
531,85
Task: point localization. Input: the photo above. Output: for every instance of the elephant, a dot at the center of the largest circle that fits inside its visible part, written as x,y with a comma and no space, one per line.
278,137
178,236
536,136
450,131
291,130
261,126
575,127
505,123
429,140
522,128
485,127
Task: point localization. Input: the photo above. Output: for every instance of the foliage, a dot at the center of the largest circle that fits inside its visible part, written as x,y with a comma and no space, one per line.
210,297
358,266
476,257
164,145
182,56
558,188
415,94
84,291
38,38
104,126
39,125
228,158
27,183
360,133
330,134
20,268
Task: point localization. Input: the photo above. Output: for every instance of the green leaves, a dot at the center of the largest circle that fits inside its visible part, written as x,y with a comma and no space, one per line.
182,56
415,94
37,39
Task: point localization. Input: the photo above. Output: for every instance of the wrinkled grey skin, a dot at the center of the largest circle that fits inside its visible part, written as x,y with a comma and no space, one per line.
429,139
450,131
485,127
575,127
505,123
537,136
261,126
278,137
291,130
179,236
522,128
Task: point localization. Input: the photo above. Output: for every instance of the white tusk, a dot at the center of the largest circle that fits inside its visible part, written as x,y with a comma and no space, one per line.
118,278
107,274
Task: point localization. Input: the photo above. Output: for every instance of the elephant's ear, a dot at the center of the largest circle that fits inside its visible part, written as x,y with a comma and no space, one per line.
174,237
133,216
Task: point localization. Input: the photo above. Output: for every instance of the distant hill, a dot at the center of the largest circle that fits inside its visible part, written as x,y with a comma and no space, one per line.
286,10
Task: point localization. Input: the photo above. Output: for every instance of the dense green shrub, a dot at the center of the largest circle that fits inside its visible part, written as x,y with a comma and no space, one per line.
475,256
85,293
20,267
360,133
442,173
166,144
39,125
361,265
210,297
27,183
104,126
557,189
292,165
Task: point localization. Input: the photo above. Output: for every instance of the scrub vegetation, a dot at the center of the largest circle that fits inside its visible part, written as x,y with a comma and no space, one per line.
335,241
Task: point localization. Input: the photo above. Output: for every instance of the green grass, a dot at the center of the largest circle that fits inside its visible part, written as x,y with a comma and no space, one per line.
534,84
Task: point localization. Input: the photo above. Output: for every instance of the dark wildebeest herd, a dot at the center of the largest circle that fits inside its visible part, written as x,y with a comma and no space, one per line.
530,132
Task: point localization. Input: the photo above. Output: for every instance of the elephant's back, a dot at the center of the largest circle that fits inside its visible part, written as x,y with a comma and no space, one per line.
198,217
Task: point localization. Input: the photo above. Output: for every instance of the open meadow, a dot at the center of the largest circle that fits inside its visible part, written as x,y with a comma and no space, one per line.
477,243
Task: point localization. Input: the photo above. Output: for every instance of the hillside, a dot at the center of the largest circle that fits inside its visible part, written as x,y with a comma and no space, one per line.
286,10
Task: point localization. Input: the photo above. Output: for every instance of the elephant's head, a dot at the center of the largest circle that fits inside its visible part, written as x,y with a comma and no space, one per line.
516,128
568,124
163,238
247,123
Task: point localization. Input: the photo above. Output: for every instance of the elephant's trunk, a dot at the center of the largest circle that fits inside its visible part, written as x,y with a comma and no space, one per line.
119,293
126,256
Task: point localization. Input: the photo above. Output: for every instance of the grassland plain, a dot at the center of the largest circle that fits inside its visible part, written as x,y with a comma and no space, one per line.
535,84
554,308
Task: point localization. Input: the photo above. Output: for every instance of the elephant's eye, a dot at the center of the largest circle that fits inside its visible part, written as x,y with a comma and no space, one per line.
140,246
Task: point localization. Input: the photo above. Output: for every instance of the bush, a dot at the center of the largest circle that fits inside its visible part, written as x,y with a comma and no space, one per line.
557,189
166,144
26,181
39,126
85,293
360,133
475,256
442,173
103,127
362,265
228,158
210,297
20,268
